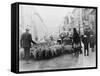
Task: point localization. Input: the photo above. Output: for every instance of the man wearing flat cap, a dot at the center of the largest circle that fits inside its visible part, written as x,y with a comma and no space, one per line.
26,40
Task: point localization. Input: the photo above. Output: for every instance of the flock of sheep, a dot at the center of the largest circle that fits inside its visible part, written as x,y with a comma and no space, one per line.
46,51
40,52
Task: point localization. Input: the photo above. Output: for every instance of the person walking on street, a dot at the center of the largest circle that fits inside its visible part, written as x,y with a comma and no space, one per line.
76,42
92,42
85,41
25,42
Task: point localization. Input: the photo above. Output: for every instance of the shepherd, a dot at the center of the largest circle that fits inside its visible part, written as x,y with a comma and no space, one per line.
25,42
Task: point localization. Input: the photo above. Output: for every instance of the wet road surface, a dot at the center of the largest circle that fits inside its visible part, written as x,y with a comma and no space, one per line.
62,62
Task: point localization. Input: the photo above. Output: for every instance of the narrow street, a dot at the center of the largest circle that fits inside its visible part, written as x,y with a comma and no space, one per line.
62,62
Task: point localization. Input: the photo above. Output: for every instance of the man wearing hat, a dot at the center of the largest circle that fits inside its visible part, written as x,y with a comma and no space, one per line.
26,40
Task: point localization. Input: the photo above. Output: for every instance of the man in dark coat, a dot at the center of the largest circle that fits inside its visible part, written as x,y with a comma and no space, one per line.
25,42
85,41
92,42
